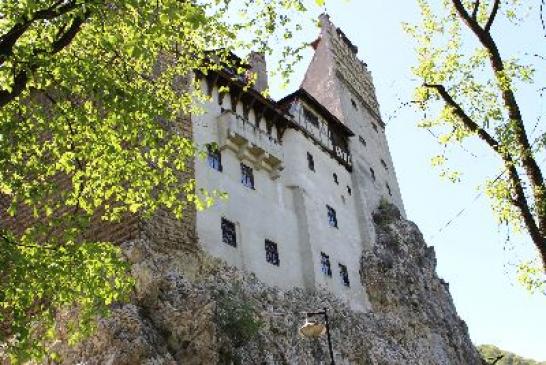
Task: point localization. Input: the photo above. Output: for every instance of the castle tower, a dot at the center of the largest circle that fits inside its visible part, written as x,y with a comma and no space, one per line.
342,83
303,174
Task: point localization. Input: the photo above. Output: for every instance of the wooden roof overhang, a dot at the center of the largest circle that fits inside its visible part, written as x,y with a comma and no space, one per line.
323,111
334,122
240,91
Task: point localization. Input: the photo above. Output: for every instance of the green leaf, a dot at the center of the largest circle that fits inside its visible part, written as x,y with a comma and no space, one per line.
98,139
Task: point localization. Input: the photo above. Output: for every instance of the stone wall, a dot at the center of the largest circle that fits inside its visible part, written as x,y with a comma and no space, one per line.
174,317
162,228
124,230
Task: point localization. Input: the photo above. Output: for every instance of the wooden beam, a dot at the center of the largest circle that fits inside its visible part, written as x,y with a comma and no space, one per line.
235,96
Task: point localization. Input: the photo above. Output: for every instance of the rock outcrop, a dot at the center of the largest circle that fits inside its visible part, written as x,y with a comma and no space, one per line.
191,309
400,275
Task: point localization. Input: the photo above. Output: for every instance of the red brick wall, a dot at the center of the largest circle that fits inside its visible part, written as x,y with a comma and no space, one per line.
164,229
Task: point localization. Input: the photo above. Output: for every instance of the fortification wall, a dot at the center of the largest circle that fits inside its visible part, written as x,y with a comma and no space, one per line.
214,314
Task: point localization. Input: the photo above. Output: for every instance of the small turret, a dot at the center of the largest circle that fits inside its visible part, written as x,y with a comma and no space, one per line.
258,67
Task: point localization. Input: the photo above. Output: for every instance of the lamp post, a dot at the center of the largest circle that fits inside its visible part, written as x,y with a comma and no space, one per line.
316,329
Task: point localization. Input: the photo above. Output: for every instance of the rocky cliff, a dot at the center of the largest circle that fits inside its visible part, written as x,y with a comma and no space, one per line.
191,309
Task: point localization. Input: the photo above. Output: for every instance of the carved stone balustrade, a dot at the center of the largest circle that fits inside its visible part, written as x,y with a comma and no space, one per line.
250,142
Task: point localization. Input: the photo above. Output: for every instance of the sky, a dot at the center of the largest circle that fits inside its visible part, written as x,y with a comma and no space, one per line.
472,251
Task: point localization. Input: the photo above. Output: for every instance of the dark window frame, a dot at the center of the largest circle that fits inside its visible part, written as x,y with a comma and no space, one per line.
362,141
344,274
214,158
272,253
332,217
311,117
229,232
310,162
325,266
247,176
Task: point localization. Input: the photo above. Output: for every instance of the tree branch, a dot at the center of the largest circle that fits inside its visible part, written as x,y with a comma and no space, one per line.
467,121
67,37
10,38
19,85
10,241
499,358
492,16
520,200
476,9
21,79
528,162
542,20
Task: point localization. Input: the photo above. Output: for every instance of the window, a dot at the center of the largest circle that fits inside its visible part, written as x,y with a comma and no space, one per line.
389,189
325,264
335,178
214,157
310,162
372,172
354,104
349,190
344,274
384,165
332,219
375,127
311,117
272,253
247,176
362,140
228,233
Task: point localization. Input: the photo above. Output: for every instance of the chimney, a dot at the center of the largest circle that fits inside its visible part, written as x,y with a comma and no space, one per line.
258,67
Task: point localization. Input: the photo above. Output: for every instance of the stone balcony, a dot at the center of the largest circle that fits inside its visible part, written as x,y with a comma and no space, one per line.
250,142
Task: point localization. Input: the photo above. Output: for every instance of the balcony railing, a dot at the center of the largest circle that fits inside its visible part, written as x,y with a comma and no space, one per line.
243,137
323,138
343,155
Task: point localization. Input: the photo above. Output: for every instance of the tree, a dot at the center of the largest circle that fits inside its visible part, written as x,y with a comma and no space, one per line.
494,355
471,88
92,94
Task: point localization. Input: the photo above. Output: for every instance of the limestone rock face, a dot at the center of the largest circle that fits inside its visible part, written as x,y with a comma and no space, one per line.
400,275
179,313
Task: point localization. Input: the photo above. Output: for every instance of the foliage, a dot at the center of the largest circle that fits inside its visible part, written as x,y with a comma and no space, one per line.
490,353
470,90
88,275
237,318
386,213
531,276
93,99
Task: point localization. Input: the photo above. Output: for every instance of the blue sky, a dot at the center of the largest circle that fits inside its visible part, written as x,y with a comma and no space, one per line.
473,255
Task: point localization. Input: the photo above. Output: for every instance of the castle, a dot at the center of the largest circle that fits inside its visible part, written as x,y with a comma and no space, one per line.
303,174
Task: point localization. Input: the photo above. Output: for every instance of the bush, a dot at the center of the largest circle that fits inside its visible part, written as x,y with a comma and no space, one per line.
386,213
237,318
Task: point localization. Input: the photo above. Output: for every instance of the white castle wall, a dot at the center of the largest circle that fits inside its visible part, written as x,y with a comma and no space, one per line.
288,205
289,210
259,214
337,78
